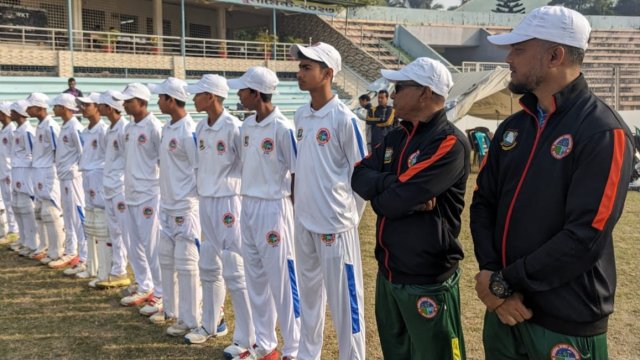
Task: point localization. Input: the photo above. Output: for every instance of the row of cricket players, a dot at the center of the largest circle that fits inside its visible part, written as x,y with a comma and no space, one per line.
200,209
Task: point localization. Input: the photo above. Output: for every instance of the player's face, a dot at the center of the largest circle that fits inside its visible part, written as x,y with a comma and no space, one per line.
383,99
133,106
311,75
89,110
201,101
58,110
247,99
32,111
406,96
103,109
15,116
526,62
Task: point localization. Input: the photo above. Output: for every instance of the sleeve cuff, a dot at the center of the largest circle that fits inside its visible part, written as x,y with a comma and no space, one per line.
515,276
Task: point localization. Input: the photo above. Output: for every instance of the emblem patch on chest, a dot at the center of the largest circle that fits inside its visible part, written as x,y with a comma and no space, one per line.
388,155
142,139
562,146
267,145
299,134
173,144
413,158
221,147
323,136
509,139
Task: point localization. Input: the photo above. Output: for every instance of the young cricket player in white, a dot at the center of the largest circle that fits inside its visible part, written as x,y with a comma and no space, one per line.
91,166
9,226
142,191
113,185
219,145
327,217
179,241
268,157
22,188
46,185
68,155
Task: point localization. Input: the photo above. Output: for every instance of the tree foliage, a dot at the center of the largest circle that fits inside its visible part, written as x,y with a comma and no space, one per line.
509,7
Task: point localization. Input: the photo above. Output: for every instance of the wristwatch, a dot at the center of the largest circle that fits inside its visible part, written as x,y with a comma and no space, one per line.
499,286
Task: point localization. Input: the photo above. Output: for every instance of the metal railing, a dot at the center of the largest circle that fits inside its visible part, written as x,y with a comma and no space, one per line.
473,66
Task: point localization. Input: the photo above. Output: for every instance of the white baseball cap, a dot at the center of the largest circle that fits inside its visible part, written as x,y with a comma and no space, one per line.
110,97
20,107
257,78
319,51
173,87
5,108
66,100
424,71
38,99
134,90
552,23
91,99
209,83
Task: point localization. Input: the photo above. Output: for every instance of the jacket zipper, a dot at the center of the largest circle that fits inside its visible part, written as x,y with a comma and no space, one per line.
381,227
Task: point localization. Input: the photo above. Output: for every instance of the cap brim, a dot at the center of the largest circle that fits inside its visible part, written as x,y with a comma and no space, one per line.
293,51
123,97
394,75
236,84
86,100
195,89
508,39
155,88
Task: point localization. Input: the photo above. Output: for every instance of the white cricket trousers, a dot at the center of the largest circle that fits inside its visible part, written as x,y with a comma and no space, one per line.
221,264
179,254
97,249
22,203
143,249
329,267
5,191
269,266
117,218
73,215
48,211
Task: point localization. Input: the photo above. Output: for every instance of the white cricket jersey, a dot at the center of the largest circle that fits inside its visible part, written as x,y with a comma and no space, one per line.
6,140
219,147
45,144
141,149
268,156
113,180
178,163
329,146
69,149
22,147
93,151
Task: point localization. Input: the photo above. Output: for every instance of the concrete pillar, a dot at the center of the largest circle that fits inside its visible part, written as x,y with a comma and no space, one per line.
157,22
77,14
221,31
65,64
179,67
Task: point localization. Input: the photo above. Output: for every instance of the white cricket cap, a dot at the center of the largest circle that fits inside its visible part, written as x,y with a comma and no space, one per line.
5,108
426,72
20,107
135,90
91,99
173,87
257,78
110,97
552,23
65,100
209,83
38,99
319,51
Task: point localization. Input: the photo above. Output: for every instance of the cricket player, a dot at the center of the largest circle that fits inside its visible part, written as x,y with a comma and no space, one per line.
219,171
329,146
268,159
6,140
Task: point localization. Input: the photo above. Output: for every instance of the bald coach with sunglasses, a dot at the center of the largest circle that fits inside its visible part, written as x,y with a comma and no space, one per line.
416,180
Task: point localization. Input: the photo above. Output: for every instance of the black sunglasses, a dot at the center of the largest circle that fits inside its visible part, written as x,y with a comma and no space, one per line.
399,86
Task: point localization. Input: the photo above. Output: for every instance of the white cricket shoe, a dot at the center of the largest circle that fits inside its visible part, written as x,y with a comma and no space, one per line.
233,350
178,329
160,318
83,275
92,283
78,268
136,298
153,306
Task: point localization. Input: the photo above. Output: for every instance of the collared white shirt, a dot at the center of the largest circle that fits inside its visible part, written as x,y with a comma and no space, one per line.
22,148
6,140
113,180
93,152
142,156
45,144
178,163
69,149
219,146
268,156
329,146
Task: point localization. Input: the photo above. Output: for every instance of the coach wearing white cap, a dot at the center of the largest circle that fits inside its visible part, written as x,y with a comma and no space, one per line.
9,234
416,180
547,199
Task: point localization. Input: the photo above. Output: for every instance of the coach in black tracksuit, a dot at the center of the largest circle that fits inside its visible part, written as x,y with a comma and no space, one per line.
547,199
416,180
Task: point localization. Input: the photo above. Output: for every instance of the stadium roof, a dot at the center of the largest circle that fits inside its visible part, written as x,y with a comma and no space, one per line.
488,5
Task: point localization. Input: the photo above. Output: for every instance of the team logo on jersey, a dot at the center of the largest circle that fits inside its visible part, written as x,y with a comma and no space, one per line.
92,193
413,158
121,206
388,155
267,145
273,238
179,220
509,139
40,186
147,212
65,139
299,134
328,239
220,147
7,180
40,138
427,307
116,146
18,184
173,144
17,141
228,219
142,139
323,136
202,147
94,144
565,352
66,190
562,146
126,137
246,140
5,141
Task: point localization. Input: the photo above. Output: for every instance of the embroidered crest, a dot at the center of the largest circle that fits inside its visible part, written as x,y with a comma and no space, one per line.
228,219
147,212
92,193
509,139
267,145
121,206
427,307
562,146
299,134
202,147
17,141
142,139
413,158
220,147
565,352
273,238
7,180
328,239
18,184
126,137
66,190
65,139
388,155
179,220
116,147
323,136
40,138
173,144
5,141
40,186
246,140
94,144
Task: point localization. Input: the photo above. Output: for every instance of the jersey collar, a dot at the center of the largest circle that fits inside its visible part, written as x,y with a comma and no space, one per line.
322,112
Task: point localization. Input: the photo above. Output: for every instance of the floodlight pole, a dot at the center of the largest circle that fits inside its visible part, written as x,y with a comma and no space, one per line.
275,34
182,33
70,30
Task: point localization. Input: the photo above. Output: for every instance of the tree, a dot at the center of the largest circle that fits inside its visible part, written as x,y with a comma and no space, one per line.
509,7
587,7
627,8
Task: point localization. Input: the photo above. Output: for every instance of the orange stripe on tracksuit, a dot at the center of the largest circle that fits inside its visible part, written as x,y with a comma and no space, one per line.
613,181
443,149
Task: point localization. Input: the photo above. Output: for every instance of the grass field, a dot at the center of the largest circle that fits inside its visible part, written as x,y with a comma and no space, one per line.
44,315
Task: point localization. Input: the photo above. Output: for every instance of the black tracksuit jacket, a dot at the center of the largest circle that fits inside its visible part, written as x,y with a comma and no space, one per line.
410,167
546,202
